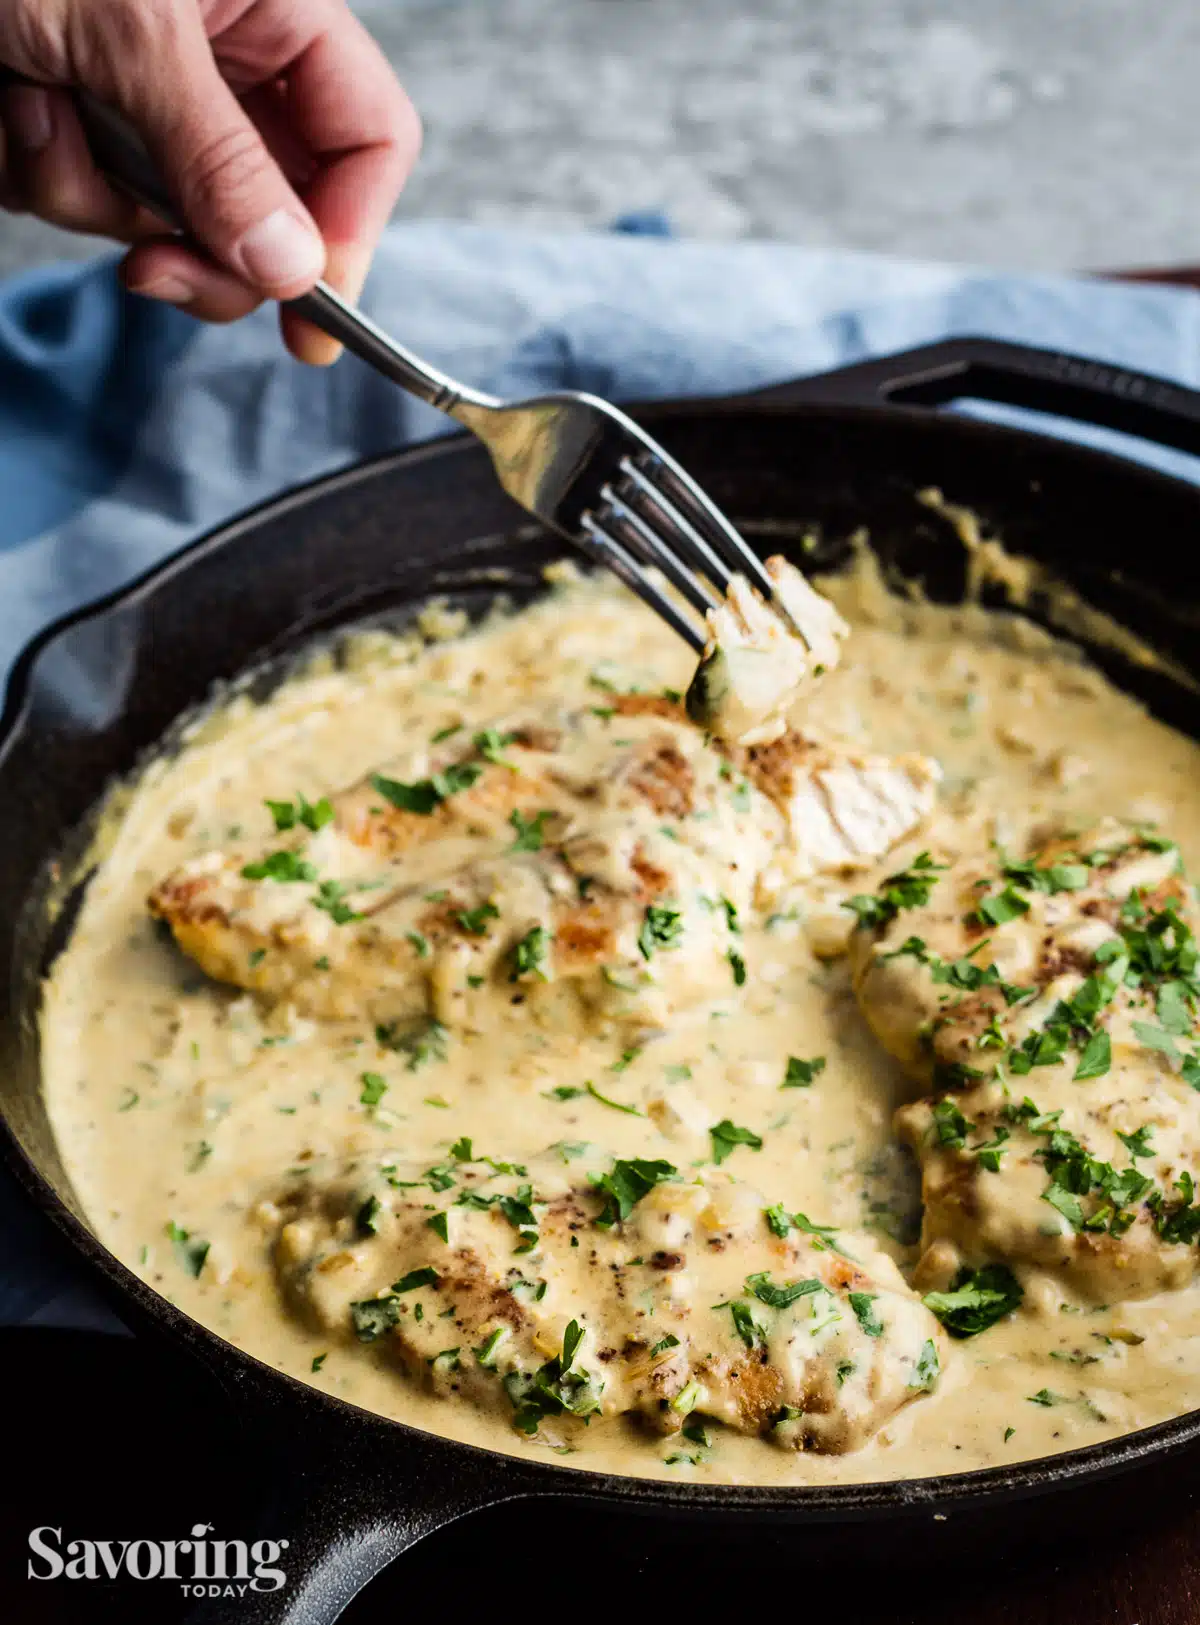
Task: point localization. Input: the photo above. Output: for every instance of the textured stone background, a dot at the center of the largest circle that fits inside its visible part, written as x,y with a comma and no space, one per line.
1039,133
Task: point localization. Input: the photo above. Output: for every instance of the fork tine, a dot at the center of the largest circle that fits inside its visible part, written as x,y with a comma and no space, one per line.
609,552
704,517
684,537
646,544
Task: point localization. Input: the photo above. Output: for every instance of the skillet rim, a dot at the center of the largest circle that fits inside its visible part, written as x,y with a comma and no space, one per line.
827,1503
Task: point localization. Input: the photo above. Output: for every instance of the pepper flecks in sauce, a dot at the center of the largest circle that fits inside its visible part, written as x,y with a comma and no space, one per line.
202,1127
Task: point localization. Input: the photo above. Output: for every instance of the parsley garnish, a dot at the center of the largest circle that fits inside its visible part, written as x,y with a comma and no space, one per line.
661,928
737,965
426,1041
374,1087
590,1088
189,1249
426,795
927,1369
285,867
426,1276
863,1304
800,1073
312,815
440,1225
746,1326
976,1300
529,955
553,1388
910,888
530,831
330,895
781,1297
726,1135
372,1317
474,920
624,1186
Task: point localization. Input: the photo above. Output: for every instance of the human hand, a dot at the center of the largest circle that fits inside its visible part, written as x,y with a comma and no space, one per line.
277,125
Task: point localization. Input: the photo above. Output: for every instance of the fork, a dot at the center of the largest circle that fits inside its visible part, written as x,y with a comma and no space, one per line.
578,464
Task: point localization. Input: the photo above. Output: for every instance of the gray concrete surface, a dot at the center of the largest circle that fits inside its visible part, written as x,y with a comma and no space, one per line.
1038,133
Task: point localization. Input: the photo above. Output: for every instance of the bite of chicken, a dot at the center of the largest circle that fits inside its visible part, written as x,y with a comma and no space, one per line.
758,662
554,1295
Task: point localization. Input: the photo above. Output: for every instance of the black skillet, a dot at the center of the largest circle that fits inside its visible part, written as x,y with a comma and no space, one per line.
353,1491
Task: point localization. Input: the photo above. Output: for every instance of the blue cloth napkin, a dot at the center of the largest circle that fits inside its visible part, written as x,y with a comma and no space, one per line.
126,429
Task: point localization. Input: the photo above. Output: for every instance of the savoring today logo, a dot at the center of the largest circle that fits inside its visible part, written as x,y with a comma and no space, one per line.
206,1568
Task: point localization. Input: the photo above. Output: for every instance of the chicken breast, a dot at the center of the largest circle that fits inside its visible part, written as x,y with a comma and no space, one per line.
599,862
1051,1002
759,663
556,1295
844,808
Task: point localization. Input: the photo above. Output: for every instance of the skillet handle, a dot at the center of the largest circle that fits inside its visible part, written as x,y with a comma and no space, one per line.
1069,386
351,1493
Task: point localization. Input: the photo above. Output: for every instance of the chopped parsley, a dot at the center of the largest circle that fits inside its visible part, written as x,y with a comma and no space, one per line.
737,965
318,1361
746,1325
1046,1397
309,815
374,1087
800,1073
624,1186
366,1220
590,1088
285,867
554,1388
426,1276
426,795
670,1341
927,1369
530,831
331,897
440,1225
1004,906
372,1317
474,920
425,1041
910,888
781,1297
190,1250
530,954
726,1135
976,1300
661,928
863,1304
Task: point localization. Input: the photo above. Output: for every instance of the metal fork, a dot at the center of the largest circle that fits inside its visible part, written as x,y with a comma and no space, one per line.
579,465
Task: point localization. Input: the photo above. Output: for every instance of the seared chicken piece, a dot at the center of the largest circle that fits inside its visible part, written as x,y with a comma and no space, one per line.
756,665
603,858
1052,1003
685,1300
844,809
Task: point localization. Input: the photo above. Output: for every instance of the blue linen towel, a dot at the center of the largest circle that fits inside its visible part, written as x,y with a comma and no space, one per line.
126,429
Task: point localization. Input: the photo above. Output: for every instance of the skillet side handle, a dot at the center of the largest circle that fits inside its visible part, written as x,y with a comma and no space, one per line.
1069,386
348,1497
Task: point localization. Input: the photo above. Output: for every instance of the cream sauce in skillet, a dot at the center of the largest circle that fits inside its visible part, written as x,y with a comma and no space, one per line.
180,1104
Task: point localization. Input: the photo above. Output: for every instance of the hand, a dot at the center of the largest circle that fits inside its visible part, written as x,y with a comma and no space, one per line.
277,124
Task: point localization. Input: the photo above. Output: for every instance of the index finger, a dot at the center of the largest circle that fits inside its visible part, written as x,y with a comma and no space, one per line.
354,120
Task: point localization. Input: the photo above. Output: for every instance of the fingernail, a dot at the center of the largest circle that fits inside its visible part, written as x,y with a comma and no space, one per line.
280,250
173,290
29,118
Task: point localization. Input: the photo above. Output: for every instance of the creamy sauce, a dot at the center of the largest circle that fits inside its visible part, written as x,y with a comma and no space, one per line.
178,1102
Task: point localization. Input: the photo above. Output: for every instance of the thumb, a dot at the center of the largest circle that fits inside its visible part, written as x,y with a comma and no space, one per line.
234,198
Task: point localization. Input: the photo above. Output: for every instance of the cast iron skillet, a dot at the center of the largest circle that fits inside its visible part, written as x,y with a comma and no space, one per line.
835,452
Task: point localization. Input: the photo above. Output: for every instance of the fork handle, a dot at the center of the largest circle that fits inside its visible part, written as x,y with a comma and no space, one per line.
121,156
